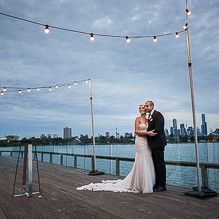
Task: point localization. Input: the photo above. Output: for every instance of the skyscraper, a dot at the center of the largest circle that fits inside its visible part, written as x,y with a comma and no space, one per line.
166,132
175,127
182,130
67,132
203,126
190,131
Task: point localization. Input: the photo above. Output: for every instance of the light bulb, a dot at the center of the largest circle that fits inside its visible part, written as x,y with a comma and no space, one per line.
2,93
188,12
28,90
185,26
57,86
91,37
155,39
75,83
128,40
177,35
69,86
86,81
50,89
20,91
38,89
46,29
4,89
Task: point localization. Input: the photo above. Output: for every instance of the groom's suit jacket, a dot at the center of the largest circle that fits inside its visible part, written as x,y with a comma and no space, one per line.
156,123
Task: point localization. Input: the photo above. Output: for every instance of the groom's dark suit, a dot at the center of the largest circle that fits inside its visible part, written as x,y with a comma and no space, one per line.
157,144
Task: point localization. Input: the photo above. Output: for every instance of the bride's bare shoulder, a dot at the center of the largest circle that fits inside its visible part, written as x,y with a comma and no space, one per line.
137,119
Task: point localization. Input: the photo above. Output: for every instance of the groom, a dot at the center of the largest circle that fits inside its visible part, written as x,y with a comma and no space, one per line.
157,144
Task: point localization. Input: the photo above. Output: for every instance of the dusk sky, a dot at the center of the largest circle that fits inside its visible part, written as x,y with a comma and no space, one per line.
123,75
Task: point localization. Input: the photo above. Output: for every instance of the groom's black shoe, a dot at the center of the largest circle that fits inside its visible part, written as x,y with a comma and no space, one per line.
159,188
155,187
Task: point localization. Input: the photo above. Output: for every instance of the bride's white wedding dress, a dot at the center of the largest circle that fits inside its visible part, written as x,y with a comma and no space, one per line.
140,179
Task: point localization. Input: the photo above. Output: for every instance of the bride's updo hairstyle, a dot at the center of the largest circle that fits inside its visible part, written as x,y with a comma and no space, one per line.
141,105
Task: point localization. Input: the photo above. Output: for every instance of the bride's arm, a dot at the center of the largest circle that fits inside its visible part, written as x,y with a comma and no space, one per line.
141,132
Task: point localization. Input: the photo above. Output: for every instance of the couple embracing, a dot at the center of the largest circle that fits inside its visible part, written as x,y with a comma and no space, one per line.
148,173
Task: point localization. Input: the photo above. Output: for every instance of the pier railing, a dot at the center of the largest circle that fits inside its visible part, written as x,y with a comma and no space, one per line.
204,166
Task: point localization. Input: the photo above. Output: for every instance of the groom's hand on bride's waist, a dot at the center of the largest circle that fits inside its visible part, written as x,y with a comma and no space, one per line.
152,133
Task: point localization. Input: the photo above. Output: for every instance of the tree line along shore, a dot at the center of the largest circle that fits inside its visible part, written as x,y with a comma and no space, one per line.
14,140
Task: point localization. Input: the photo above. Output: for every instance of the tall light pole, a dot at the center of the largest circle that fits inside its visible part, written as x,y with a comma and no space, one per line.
94,171
192,99
92,122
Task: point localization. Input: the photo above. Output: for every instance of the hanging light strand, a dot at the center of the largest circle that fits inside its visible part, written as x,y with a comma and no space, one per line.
20,90
88,33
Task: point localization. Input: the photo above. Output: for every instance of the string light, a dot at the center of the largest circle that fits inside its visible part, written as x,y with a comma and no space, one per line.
38,88
4,89
185,26
188,12
87,33
91,37
128,39
46,29
155,39
177,35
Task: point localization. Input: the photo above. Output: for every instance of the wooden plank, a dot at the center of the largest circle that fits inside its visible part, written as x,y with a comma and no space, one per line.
60,199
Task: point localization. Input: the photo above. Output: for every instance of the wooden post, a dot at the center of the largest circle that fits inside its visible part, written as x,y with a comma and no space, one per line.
204,175
61,160
41,156
193,104
25,168
93,163
30,169
117,167
50,158
75,161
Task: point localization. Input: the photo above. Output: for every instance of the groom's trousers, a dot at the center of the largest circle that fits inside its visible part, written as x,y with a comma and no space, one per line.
159,165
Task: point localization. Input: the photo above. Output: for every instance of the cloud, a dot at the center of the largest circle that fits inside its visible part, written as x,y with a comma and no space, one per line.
123,75
102,23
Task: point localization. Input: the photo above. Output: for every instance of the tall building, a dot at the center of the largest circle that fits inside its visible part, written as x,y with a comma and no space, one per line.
117,134
67,132
108,134
190,131
175,127
166,132
182,130
198,131
171,130
204,126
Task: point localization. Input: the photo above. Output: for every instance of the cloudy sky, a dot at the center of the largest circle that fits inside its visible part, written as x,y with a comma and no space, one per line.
123,75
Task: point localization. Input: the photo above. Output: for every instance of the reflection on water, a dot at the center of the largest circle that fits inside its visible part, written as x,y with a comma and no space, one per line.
176,175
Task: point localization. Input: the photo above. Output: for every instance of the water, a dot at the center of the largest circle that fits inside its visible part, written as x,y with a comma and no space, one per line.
176,175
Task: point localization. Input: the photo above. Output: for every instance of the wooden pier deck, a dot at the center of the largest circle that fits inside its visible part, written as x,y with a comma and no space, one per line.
60,199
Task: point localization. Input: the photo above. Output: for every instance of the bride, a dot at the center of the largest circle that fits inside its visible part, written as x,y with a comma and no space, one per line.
142,176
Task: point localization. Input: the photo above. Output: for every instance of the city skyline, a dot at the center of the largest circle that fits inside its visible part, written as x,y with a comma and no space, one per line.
123,75
67,131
